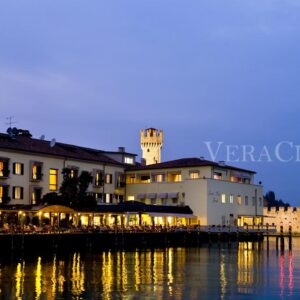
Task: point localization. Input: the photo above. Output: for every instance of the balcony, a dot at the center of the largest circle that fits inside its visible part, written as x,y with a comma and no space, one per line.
37,177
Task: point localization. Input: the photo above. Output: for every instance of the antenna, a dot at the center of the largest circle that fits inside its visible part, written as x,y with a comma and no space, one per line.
52,143
42,137
10,121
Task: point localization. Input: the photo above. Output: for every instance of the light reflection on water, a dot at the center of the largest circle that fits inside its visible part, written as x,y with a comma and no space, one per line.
242,271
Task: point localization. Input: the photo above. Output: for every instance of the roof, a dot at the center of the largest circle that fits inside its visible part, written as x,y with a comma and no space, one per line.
123,207
186,163
28,144
139,207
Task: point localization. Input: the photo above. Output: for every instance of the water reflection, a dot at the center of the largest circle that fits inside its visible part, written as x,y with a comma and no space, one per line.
181,273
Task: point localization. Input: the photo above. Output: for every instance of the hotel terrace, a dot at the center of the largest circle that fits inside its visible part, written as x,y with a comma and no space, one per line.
180,192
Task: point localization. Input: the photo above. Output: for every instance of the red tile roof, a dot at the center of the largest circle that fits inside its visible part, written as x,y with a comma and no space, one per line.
186,163
30,145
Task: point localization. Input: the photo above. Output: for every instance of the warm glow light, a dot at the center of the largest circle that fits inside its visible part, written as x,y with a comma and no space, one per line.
38,279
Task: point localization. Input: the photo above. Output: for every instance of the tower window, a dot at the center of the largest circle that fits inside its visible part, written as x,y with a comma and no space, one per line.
148,150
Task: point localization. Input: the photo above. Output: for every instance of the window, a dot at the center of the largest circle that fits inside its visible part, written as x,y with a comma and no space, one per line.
128,160
239,200
73,173
246,200
130,198
145,178
194,174
223,198
53,179
17,192
98,179
231,199
36,171
108,178
18,168
120,182
130,179
4,171
36,196
4,194
217,175
108,198
174,177
158,178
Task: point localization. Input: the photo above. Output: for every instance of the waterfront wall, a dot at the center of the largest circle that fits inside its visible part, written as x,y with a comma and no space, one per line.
35,243
283,217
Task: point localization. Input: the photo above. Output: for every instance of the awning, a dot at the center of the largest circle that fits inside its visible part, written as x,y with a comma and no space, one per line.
151,196
172,195
141,196
56,209
157,214
162,195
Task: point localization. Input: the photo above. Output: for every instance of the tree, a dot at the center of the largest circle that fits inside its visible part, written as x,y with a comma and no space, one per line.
273,202
74,189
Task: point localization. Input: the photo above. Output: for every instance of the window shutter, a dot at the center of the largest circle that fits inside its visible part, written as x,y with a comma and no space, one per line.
21,193
14,192
22,169
14,168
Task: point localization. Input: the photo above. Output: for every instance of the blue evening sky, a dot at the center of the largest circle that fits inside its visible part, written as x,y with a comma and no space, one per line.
94,72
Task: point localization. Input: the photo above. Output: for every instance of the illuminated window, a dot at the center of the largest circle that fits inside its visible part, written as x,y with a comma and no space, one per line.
4,194
108,178
217,175
130,179
53,179
4,171
194,174
174,177
36,171
130,198
36,195
17,192
145,178
239,200
223,198
108,198
231,199
98,179
73,173
158,177
18,168
128,160
120,180
246,200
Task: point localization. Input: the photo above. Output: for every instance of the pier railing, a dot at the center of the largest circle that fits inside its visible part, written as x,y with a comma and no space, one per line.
134,229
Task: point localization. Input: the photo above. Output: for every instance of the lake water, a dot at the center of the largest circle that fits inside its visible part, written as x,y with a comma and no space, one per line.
241,271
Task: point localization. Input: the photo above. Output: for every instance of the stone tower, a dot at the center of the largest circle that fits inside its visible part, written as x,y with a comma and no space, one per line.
151,144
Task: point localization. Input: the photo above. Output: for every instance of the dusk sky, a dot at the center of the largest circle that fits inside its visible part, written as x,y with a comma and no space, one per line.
93,73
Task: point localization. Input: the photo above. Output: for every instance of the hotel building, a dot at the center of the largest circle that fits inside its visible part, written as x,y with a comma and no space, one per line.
183,191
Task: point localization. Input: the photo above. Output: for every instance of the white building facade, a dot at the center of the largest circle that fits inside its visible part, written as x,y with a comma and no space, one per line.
217,194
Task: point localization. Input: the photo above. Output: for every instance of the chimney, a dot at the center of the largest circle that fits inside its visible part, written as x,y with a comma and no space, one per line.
143,161
121,149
